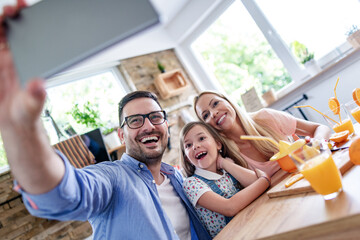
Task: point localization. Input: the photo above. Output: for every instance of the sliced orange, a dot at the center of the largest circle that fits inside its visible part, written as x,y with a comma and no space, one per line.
354,151
294,179
334,105
340,136
356,95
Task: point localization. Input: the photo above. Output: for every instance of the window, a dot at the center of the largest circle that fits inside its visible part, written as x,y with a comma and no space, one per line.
268,24
320,25
100,92
236,51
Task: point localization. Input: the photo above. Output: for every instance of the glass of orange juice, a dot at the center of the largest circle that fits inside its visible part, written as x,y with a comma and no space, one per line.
340,122
315,162
354,109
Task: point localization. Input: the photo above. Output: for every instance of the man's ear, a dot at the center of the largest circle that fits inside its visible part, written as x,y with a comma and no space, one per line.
167,125
121,135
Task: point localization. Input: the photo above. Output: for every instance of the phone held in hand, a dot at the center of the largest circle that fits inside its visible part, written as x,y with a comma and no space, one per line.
53,35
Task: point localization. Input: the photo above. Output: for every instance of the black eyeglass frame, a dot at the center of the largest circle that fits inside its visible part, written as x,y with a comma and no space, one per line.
143,116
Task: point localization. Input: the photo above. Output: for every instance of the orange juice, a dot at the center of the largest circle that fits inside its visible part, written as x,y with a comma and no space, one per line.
356,114
345,125
322,174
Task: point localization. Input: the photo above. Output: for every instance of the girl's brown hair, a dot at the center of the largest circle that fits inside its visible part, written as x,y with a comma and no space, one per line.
189,168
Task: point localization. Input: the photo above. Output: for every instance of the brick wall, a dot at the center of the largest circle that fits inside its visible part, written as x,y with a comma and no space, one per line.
17,223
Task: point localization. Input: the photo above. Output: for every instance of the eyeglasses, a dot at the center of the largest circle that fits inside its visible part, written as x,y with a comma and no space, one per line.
137,120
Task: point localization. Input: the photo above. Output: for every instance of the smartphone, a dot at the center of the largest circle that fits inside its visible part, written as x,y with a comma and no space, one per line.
53,35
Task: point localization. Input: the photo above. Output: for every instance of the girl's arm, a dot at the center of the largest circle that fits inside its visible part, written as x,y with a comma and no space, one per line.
243,175
230,207
314,130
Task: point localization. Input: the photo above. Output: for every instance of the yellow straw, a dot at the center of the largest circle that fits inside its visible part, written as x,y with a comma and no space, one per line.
318,112
337,81
259,138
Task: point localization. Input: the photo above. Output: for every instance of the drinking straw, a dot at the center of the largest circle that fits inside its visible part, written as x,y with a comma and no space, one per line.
337,81
318,112
259,138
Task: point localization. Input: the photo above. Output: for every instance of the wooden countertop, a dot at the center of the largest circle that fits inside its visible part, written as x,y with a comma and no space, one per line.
302,216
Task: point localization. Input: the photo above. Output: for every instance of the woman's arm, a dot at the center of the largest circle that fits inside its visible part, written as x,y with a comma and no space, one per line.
314,130
243,175
230,207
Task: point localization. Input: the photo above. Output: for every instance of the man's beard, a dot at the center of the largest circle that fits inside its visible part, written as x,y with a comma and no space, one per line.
148,157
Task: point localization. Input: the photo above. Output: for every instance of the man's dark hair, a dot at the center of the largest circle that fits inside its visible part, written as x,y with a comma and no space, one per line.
134,95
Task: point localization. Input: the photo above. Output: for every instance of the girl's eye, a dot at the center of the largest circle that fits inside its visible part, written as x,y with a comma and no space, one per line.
205,116
215,103
202,138
187,145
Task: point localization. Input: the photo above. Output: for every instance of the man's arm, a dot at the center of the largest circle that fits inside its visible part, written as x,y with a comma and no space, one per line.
33,162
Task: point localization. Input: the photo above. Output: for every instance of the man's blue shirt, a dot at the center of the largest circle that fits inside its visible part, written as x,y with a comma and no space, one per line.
119,199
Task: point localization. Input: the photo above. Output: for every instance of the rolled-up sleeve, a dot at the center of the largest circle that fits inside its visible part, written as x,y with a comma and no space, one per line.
81,193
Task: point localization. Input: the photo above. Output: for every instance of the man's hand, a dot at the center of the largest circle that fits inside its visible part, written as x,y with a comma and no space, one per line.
32,160
19,108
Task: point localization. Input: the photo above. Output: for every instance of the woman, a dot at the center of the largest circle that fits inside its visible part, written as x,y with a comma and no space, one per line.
228,119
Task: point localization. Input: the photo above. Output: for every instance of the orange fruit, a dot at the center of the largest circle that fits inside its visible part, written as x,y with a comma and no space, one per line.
340,136
354,151
334,105
294,179
356,95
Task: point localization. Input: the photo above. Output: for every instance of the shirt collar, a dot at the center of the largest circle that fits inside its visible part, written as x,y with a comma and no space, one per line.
209,175
127,159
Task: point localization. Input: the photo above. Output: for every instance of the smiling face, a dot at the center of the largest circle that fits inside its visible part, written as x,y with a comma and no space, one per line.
147,143
201,149
216,112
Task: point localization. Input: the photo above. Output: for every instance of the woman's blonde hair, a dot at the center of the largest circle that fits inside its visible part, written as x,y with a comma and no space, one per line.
189,168
251,127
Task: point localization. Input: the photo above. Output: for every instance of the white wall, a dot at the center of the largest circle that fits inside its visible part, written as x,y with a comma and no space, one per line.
321,88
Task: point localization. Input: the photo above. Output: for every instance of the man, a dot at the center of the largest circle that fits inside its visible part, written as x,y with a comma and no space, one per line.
138,197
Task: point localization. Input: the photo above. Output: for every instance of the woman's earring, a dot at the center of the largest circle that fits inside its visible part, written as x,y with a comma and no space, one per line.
220,151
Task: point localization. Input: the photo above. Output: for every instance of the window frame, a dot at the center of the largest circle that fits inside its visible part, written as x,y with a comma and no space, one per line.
197,67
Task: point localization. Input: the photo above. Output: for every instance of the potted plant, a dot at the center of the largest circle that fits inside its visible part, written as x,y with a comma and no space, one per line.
305,57
353,36
89,116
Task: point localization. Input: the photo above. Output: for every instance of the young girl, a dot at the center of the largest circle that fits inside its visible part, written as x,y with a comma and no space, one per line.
216,186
